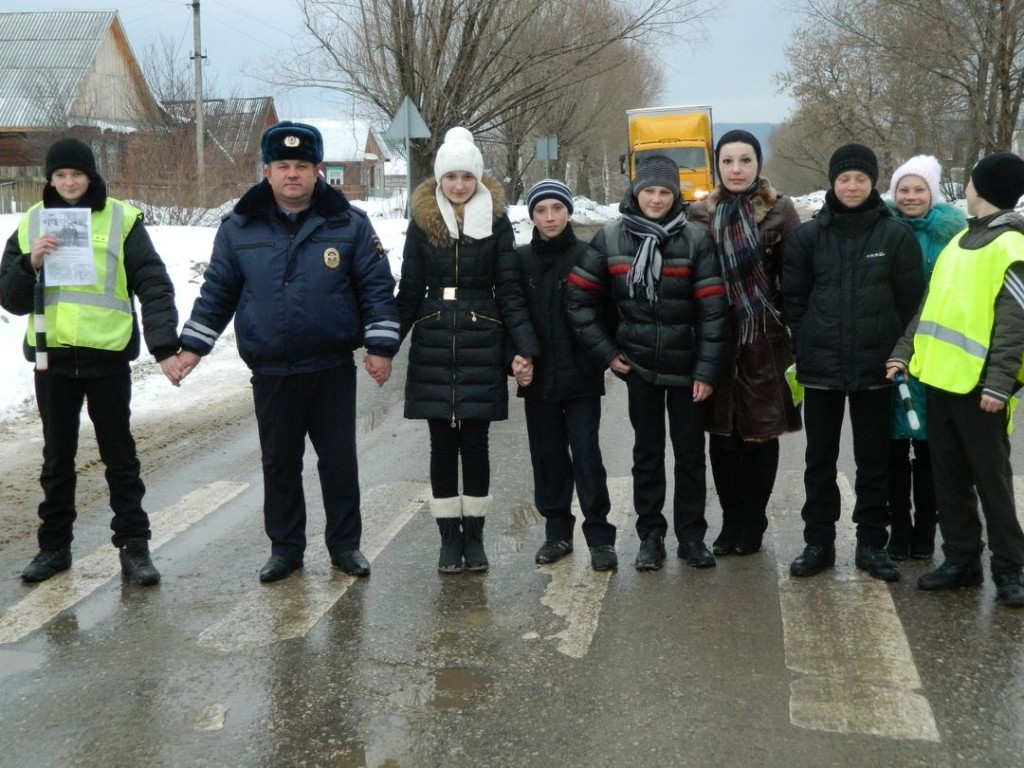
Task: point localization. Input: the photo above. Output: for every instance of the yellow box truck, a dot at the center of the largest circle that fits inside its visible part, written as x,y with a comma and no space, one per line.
682,133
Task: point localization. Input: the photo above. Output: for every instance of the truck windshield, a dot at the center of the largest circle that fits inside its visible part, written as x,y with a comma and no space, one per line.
687,158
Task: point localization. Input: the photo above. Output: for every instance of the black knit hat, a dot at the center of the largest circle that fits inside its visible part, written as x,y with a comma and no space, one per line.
657,171
292,141
853,157
549,189
71,153
999,179
745,137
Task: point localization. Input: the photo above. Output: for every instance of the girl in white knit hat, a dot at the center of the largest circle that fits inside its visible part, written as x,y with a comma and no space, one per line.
459,300
917,200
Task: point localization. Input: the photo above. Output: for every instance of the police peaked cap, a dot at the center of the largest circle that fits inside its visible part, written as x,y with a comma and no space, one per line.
292,141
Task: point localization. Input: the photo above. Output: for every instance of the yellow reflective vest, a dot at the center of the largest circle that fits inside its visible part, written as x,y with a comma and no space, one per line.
951,342
98,316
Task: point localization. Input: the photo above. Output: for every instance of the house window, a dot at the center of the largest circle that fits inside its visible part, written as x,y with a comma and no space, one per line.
336,176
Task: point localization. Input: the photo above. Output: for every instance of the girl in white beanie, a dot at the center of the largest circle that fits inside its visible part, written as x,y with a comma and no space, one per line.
917,201
458,299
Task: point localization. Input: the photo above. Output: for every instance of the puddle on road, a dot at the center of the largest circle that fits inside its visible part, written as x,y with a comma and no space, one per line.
447,688
458,689
13,662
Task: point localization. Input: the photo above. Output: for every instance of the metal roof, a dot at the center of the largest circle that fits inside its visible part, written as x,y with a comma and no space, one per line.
43,59
236,124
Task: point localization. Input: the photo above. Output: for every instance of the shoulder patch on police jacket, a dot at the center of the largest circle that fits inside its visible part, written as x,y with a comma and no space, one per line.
379,248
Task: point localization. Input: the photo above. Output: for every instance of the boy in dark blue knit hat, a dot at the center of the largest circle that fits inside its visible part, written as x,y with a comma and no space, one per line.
562,393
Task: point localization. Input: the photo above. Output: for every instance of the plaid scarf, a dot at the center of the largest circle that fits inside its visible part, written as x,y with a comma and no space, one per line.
645,272
739,250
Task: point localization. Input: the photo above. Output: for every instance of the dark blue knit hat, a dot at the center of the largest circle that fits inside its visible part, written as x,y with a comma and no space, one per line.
292,141
549,189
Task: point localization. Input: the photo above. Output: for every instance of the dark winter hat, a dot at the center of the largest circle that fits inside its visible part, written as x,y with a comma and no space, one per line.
746,137
999,179
292,141
853,157
549,189
657,171
71,153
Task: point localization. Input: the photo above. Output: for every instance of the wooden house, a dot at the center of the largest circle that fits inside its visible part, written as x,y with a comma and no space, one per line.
68,73
354,156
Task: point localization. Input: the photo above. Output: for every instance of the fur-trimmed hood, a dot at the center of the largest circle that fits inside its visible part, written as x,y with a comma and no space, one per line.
763,198
941,222
428,217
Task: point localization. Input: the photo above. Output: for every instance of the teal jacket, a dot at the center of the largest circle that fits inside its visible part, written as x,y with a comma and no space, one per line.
933,231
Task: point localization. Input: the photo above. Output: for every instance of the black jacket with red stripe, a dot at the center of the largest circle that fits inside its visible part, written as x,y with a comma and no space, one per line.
683,336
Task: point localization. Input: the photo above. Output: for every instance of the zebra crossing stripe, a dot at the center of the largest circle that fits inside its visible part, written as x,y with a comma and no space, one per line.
575,592
89,573
845,643
288,609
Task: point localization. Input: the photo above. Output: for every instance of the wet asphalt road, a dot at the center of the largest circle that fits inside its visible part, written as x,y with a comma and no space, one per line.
523,666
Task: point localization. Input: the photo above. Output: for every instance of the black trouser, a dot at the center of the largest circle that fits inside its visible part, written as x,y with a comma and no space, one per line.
647,406
565,450
911,479
971,451
744,473
823,425
468,439
323,405
108,400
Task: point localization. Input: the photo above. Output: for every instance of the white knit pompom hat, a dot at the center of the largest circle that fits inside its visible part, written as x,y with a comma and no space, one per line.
459,152
925,166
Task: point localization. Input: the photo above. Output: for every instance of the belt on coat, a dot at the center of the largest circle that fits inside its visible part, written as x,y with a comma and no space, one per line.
451,293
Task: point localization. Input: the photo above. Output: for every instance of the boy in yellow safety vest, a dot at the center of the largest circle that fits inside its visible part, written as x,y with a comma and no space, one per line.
81,339
967,346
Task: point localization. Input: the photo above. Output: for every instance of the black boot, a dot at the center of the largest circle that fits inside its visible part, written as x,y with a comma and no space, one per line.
47,564
448,513
136,566
450,560
473,510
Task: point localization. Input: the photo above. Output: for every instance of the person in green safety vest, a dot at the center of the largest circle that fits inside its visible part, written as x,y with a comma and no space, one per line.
81,339
966,345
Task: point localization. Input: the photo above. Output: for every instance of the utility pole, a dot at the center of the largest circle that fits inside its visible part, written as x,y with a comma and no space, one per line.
197,57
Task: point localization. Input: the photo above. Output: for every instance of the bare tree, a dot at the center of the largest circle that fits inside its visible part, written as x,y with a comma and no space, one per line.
969,52
466,62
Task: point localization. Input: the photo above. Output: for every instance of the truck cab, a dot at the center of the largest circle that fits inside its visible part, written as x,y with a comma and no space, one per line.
682,133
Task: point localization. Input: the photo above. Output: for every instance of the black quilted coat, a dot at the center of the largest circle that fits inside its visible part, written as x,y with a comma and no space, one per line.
458,366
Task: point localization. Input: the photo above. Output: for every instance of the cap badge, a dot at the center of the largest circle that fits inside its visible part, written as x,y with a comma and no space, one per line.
291,141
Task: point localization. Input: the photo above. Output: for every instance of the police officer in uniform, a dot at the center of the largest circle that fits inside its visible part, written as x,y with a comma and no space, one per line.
307,281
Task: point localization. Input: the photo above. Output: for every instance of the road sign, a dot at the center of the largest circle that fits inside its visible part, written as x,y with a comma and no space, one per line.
407,123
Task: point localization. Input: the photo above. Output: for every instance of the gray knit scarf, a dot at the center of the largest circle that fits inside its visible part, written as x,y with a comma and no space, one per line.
645,271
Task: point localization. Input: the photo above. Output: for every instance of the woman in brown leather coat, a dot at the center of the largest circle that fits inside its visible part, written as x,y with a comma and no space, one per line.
752,404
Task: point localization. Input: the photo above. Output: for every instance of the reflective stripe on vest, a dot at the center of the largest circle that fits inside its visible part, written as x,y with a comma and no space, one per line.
98,316
951,343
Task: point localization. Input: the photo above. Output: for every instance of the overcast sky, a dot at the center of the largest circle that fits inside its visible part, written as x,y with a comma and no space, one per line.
733,69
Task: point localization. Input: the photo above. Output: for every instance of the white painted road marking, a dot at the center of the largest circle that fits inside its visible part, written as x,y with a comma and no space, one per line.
576,592
288,609
98,567
844,640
